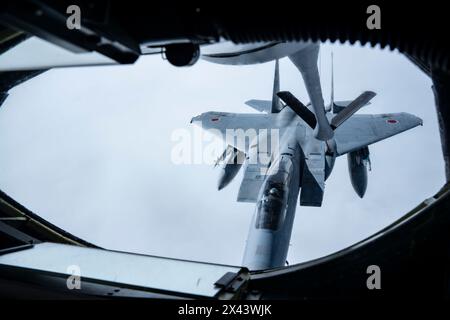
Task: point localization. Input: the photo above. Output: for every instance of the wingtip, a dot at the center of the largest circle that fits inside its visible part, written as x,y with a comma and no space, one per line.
371,93
418,119
195,119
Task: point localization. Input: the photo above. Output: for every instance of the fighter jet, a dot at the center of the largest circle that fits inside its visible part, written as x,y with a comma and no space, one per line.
297,163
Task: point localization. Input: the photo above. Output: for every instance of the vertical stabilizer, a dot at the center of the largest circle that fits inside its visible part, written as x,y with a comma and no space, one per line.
332,86
276,106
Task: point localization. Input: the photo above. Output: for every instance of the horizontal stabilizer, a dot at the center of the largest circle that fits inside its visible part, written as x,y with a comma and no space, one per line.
260,105
276,105
299,108
354,106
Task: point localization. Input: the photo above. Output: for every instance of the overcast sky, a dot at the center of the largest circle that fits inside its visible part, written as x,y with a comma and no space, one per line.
89,149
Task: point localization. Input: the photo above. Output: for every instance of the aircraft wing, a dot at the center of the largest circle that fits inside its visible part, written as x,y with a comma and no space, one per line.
237,130
364,129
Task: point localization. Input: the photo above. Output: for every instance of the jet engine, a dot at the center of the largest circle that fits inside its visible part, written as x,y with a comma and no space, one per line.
358,162
231,160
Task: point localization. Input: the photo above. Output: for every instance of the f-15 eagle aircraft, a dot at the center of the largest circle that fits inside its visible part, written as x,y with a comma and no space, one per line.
297,162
